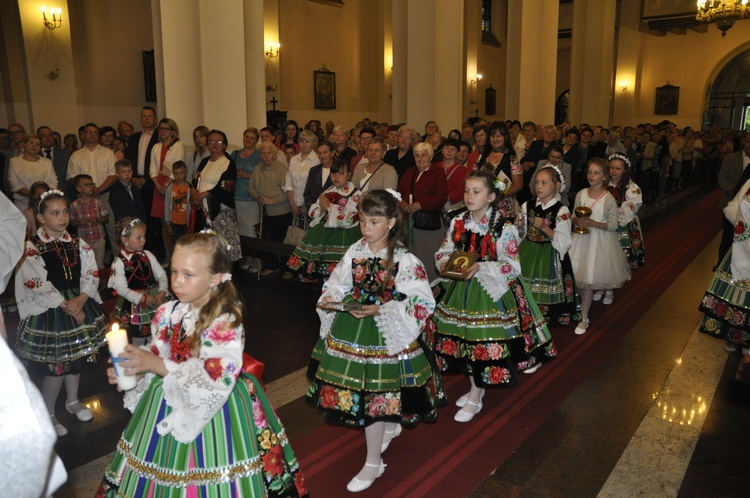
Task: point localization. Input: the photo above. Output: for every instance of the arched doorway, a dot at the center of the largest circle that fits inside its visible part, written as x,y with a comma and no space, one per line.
729,95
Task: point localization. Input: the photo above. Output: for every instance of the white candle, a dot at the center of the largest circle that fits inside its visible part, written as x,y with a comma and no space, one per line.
117,339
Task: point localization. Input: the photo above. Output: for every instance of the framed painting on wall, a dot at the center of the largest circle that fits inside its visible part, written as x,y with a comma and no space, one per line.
667,99
325,90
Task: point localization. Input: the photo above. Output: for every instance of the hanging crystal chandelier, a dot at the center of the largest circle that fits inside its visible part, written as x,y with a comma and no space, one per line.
723,12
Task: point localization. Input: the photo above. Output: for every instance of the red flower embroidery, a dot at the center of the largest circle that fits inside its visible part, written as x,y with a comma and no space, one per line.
420,273
328,397
30,284
95,273
31,252
213,367
449,348
497,375
481,353
739,228
272,461
300,484
420,312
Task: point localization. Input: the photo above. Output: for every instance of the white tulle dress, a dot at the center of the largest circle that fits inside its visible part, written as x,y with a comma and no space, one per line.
597,257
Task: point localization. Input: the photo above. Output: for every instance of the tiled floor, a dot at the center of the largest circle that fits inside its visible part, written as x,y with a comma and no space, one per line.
575,452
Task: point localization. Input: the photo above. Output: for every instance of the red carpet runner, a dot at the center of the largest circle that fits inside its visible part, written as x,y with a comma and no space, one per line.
451,459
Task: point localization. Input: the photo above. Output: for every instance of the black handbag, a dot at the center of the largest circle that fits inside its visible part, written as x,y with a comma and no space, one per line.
427,220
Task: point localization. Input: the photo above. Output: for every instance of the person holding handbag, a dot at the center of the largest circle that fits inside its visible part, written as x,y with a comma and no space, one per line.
424,190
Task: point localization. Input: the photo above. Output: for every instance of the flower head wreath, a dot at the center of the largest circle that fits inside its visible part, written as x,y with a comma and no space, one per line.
394,194
499,185
559,174
49,193
622,158
130,226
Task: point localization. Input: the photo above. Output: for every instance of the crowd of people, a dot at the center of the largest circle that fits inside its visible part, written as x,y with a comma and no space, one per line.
434,253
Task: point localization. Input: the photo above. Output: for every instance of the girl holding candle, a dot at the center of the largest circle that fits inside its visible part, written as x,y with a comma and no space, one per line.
62,323
201,425
139,280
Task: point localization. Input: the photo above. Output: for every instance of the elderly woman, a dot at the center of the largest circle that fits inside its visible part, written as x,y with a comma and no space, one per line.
501,160
339,140
28,168
299,169
214,192
247,208
375,174
424,191
402,157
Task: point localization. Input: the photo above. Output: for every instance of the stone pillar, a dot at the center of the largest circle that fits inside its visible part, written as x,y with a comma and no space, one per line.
447,105
591,64
532,60
400,63
421,67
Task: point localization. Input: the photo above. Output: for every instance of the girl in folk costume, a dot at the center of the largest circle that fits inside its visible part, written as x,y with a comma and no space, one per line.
333,229
597,257
139,280
369,369
62,323
726,303
543,253
489,325
201,425
629,200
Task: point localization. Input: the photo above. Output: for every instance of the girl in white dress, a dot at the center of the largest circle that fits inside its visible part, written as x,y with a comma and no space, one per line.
597,258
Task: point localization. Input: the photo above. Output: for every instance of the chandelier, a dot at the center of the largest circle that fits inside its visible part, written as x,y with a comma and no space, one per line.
724,12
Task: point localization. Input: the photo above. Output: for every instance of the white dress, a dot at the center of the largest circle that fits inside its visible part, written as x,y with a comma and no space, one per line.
597,257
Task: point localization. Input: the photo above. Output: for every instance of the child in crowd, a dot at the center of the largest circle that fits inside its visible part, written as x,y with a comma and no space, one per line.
177,203
629,200
543,253
289,151
62,323
596,255
488,325
389,381
555,159
201,425
88,215
124,197
727,300
333,229
138,279
35,192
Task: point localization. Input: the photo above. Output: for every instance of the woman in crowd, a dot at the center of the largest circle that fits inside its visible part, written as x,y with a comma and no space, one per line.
481,132
107,140
424,190
375,174
455,173
290,136
165,152
71,143
214,193
28,168
200,140
299,168
501,160
247,208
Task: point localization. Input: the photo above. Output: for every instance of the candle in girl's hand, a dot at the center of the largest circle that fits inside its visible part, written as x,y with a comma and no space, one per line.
117,339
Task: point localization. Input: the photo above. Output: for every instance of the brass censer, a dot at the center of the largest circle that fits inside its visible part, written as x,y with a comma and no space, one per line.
582,212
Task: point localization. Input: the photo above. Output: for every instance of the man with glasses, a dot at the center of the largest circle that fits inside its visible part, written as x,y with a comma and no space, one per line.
99,163
59,157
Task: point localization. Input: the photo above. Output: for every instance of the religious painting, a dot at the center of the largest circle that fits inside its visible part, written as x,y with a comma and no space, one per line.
667,99
149,75
325,90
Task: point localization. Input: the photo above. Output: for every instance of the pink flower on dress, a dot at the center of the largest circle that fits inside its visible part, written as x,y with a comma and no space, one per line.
420,273
420,312
393,407
259,415
506,269
512,248
495,351
377,406
222,336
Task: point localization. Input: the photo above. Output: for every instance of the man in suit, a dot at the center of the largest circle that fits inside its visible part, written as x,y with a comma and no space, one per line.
124,197
138,151
732,175
59,158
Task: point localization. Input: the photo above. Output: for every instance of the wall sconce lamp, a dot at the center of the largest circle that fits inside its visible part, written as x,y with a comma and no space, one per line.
623,86
56,21
273,50
479,77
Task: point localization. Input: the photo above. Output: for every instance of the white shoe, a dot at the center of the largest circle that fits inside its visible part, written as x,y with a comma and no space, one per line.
532,368
391,436
580,330
464,416
81,412
60,429
461,402
598,295
609,296
357,485
729,348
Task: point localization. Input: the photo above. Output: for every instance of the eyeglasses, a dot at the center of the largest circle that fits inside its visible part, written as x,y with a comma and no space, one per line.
91,132
216,141
15,132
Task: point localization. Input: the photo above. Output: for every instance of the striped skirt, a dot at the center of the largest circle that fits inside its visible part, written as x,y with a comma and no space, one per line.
242,452
54,343
726,307
134,317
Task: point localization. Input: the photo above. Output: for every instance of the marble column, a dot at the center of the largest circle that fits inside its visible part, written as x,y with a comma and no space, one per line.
592,61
